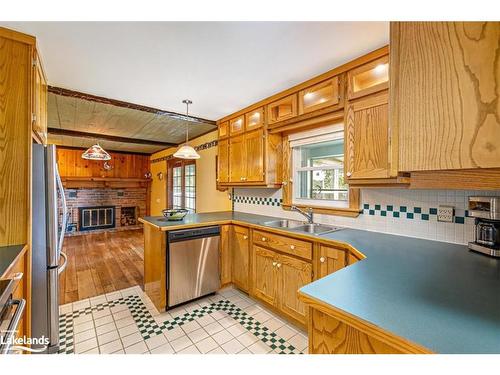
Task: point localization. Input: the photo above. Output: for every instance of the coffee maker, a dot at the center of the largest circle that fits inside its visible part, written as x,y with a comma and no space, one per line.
486,211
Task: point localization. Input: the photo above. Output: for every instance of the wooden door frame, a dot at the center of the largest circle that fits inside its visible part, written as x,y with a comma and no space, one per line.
171,164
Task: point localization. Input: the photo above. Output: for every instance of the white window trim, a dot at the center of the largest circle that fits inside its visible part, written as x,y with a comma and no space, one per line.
323,134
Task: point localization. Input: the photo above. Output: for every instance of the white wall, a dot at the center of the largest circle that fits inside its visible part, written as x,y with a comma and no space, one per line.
268,202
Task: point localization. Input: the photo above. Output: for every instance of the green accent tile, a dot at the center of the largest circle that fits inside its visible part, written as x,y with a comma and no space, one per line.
383,213
433,211
417,210
409,215
377,206
402,208
425,217
459,220
395,214
366,206
372,212
390,208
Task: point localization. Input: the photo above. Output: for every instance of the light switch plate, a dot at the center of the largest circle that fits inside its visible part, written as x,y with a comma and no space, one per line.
445,214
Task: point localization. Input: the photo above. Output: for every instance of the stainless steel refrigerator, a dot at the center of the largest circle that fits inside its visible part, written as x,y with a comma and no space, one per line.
49,217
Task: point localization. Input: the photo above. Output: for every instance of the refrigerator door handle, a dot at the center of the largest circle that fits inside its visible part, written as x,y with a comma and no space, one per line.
62,267
65,212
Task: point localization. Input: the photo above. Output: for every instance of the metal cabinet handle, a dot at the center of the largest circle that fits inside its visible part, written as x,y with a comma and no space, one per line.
14,323
348,174
292,247
278,265
264,239
274,264
245,237
322,259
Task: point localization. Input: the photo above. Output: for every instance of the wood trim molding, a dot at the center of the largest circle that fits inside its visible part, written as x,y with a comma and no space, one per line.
468,179
309,120
104,182
17,36
112,138
119,103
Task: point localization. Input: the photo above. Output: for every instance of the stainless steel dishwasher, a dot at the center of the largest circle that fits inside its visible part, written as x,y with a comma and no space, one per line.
192,264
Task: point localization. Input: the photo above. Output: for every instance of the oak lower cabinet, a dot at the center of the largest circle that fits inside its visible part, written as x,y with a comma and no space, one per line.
329,260
225,254
276,278
240,245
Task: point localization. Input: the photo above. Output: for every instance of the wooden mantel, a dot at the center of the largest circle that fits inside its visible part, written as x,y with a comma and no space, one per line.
103,182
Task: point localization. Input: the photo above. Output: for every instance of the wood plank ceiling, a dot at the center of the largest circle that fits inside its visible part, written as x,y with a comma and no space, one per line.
78,120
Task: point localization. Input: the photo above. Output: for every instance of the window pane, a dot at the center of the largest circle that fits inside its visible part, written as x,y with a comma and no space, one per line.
322,154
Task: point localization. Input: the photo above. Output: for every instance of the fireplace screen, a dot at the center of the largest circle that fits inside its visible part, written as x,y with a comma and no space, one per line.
96,217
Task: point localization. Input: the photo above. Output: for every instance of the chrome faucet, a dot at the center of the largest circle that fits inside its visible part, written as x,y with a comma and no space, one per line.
308,213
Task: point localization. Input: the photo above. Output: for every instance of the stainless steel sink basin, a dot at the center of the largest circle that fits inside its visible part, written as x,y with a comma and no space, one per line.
315,228
290,224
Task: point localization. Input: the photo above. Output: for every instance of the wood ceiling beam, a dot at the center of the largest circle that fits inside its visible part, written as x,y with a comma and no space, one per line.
112,138
119,103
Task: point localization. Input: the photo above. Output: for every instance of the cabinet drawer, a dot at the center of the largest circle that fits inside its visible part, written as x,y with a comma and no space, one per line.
284,244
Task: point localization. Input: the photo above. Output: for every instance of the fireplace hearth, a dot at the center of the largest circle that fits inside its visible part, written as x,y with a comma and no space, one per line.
93,218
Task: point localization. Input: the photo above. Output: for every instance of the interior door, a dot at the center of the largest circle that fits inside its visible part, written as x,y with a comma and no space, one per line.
254,145
240,259
264,274
293,275
237,156
367,139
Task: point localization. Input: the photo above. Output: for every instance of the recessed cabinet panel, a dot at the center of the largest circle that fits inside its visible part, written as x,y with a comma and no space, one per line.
330,260
241,246
254,146
319,96
223,161
237,159
264,274
282,109
254,119
223,129
237,125
369,78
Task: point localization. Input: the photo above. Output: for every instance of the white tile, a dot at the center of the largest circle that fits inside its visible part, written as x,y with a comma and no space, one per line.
189,350
247,339
108,337
128,330
274,323
132,339
121,351
262,316
190,327
84,346
82,319
78,305
163,317
92,351
173,334
206,345
245,351
227,322
213,328
237,330
111,347
286,332
138,348
198,335
259,348
156,341
232,347
164,349
205,320
65,309
94,301
83,327
217,350
105,328
104,320
222,337
181,343
218,315
118,308
101,313
84,336
121,323
122,314
178,311
299,341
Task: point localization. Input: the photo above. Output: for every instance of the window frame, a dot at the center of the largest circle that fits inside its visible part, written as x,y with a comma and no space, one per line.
182,163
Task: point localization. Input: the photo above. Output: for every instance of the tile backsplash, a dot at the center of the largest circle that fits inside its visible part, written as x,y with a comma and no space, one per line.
398,211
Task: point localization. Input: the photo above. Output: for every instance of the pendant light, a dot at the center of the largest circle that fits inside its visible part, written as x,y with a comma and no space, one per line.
96,152
186,151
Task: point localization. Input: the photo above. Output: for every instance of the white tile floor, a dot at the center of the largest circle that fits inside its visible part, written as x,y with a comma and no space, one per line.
118,323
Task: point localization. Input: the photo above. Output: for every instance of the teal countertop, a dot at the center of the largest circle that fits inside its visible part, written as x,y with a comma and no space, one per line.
8,255
436,294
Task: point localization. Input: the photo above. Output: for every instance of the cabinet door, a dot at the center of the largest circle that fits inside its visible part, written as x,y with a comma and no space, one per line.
367,151
351,259
240,245
264,274
254,146
237,159
223,161
330,260
368,79
293,275
445,80
254,119
237,125
225,254
321,95
282,109
223,129
40,102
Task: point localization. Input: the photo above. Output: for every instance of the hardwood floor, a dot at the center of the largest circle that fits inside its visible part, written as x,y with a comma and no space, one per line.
101,263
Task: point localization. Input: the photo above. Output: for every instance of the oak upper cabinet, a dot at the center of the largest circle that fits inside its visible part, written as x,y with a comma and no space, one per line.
369,152
368,78
240,244
225,255
237,159
444,94
329,260
264,274
293,275
237,125
39,119
254,119
283,109
223,129
321,95
223,161
254,149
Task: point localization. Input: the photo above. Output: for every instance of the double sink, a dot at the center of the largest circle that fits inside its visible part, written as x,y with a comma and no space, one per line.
301,227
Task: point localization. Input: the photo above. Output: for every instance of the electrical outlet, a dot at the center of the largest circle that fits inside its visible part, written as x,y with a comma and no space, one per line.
445,213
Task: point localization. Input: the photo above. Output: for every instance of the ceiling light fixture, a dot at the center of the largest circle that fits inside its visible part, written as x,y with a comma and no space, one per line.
96,152
186,151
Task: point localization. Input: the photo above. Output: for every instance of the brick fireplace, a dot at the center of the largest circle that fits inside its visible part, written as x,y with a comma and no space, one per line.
104,209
